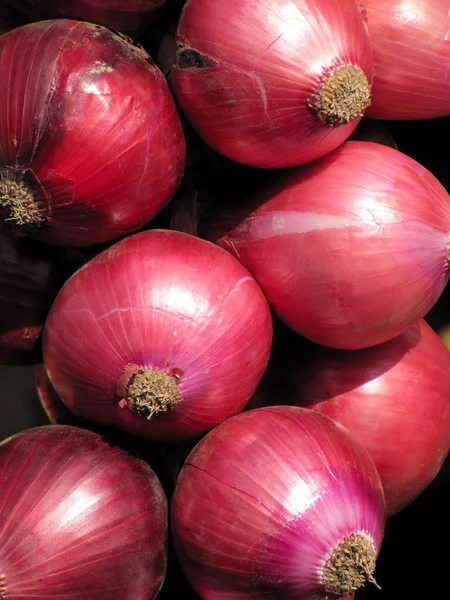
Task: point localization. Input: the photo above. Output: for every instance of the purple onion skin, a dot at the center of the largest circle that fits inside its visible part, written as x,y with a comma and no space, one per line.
264,497
79,519
168,302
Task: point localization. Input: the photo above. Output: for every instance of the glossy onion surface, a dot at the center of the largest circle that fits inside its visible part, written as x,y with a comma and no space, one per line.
247,71
394,398
263,499
350,250
79,519
88,127
411,53
165,301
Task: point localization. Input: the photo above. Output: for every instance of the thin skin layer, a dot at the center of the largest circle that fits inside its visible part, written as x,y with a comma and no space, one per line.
80,519
350,250
247,71
411,53
90,126
394,398
166,301
129,16
263,499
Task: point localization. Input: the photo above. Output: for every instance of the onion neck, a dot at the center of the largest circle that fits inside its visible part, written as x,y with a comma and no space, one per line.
349,565
17,202
148,392
342,95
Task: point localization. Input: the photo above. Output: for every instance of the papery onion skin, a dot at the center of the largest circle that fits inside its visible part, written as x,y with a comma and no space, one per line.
31,275
167,303
90,128
264,497
394,398
350,250
128,16
80,519
411,54
246,73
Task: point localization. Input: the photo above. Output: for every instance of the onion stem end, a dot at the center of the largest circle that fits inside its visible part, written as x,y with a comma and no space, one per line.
17,202
150,392
342,95
349,565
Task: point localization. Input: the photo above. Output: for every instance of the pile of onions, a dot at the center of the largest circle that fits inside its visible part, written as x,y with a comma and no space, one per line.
80,518
350,250
72,85
275,83
31,275
129,16
394,398
163,335
411,55
278,503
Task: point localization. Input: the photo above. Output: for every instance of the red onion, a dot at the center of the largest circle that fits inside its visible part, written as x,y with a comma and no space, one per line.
394,398
351,250
80,519
30,277
169,336
275,83
278,503
129,16
410,40
91,145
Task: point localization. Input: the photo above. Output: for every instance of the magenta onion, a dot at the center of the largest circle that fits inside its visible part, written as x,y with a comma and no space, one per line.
351,250
30,277
129,16
411,54
278,503
394,398
275,83
91,145
79,519
163,335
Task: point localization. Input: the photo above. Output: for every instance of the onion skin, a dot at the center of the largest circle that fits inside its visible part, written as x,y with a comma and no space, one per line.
79,86
264,497
394,398
80,519
150,301
351,250
255,68
411,57
128,16
31,275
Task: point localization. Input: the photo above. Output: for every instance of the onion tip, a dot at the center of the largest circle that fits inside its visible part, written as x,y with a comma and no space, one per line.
150,392
343,95
17,201
349,565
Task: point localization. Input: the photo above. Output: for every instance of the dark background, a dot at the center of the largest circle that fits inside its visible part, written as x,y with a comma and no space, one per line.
414,558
